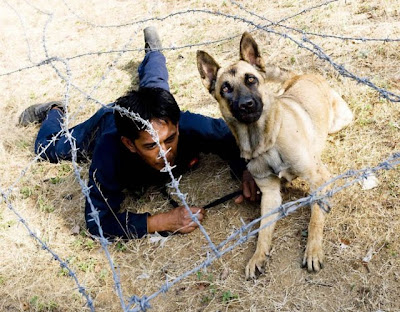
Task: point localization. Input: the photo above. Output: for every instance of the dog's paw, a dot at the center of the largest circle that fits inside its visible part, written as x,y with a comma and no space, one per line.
256,263
245,154
257,152
313,257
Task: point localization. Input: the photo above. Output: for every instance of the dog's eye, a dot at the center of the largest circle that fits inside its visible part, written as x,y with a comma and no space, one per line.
226,88
251,79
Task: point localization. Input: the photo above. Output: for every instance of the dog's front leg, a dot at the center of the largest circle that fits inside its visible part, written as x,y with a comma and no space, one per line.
242,134
314,256
271,198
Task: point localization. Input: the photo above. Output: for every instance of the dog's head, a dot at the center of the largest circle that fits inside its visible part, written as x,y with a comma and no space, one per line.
237,88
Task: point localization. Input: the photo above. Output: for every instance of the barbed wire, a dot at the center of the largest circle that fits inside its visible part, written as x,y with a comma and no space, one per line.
316,50
44,246
300,31
205,43
245,232
21,21
136,303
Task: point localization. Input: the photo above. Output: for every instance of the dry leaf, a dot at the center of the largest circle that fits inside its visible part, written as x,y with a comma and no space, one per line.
368,256
369,182
224,274
75,230
143,276
158,239
344,243
202,285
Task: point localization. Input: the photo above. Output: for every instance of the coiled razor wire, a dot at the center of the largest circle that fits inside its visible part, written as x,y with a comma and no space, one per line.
134,302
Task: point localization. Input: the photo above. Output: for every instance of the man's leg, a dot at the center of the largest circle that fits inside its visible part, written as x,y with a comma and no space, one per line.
153,71
84,134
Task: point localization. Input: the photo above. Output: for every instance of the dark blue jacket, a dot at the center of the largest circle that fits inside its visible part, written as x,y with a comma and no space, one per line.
115,169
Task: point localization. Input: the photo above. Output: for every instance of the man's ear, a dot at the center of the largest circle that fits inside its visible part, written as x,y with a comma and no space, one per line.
129,144
249,52
208,69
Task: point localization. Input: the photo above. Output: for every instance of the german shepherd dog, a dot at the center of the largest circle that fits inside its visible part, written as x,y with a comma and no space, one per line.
281,135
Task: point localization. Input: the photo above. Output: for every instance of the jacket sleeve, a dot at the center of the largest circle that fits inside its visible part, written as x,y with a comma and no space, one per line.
106,196
212,135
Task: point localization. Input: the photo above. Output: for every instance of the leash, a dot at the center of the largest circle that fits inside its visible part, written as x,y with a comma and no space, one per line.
214,203
223,199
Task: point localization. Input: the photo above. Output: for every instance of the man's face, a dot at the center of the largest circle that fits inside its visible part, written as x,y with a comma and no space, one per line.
148,150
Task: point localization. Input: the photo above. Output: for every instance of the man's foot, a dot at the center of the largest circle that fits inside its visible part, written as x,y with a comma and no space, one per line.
152,41
37,112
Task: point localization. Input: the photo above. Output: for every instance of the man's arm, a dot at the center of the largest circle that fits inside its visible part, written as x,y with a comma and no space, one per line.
106,196
212,135
132,225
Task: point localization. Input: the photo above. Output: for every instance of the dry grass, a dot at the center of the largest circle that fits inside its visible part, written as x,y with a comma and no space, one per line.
49,198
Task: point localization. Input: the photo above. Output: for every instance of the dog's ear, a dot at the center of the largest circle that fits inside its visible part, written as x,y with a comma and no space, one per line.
249,52
208,69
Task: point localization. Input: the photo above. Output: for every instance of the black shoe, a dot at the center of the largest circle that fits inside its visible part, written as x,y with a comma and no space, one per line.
37,112
152,41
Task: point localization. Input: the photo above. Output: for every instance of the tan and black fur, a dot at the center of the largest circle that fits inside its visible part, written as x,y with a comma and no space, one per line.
281,135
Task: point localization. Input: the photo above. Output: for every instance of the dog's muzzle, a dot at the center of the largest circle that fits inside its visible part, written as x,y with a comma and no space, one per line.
247,110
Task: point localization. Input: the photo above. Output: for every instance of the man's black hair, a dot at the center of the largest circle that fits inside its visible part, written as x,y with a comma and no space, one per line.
149,103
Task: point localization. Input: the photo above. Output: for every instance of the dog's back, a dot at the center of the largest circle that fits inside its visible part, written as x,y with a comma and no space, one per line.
318,99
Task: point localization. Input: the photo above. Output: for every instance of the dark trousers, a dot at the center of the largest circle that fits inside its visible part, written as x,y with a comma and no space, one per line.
152,74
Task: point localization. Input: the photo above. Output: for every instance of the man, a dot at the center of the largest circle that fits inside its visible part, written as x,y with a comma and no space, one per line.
124,156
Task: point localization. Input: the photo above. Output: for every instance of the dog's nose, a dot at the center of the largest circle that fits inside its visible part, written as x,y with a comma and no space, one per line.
246,105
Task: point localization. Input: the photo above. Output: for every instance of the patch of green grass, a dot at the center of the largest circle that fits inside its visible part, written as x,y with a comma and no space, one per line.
63,272
23,144
26,192
394,125
228,296
120,246
39,305
212,290
7,224
365,121
65,168
175,88
45,206
84,243
103,274
55,180
87,266
32,96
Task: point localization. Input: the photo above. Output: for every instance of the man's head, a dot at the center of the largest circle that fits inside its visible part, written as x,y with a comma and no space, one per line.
160,108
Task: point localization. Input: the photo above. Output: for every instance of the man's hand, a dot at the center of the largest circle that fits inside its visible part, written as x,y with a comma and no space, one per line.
175,220
250,189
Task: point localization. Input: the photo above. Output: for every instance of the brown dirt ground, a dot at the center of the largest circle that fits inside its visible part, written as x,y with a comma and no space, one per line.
48,196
